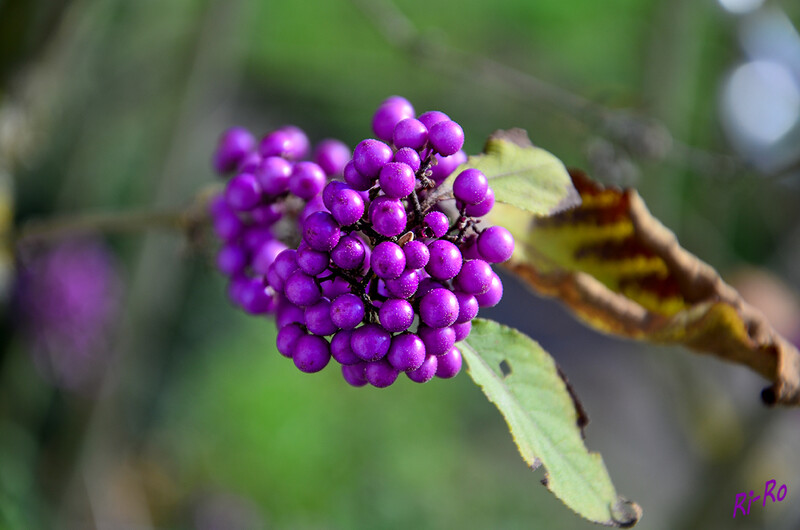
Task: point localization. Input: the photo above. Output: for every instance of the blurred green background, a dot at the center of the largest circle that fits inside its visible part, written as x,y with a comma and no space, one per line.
196,421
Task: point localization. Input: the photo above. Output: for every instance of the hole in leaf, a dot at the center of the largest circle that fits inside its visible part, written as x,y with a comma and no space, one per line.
505,368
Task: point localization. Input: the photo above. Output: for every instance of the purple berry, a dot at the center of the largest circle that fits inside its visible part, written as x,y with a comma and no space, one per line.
405,285
255,297
462,330
266,214
276,143
288,313
437,223
318,318
243,192
370,342
341,350
438,341
483,207
475,276
380,374
410,133
408,156
332,289
307,180
449,364
233,146
287,339
349,253
266,255
355,179
301,289
445,261
467,307
250,163
470,186
298,142
231,259
407,352
427,285
397,179
446,137
417,254
330,190
432,117
311,261
311,353
388,260
332,155
273,175
370,156
354,374
492,296
393,110
388,216
426,371
347,206
496,244
396,315
347,311
321,231
439,308
285,263
446,165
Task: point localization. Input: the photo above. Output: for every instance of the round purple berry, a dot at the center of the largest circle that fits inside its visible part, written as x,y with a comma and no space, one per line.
432,117
256,298
234,145
449,364
408,156
346,206
439,308
438,341
446,137
301,289
347,311
332,155
475,276
405,285
426,371
243,192
462,330
318,318
370,342
410,133
370,156
492,296
355,179
396,315
397,179
407,352
391,111
446,165
354,374
470,186
287,338
388,216
285,263
311,261
388,260
483,207
273,175
467,307
321,231
496,244
287,313
437,223
380,373
307,180
266,255
231,259
311,353
445,261
341,350
349,253
417,254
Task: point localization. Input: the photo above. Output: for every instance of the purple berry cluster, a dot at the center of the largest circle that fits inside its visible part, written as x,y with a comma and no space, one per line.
269,179
387,276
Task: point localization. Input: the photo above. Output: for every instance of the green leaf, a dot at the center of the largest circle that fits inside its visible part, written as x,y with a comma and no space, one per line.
522,175
542,416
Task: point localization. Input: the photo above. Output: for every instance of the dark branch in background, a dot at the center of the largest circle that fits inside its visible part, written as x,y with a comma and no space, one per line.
640,136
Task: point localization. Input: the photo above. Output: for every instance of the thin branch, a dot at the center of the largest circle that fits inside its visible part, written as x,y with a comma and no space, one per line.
640,136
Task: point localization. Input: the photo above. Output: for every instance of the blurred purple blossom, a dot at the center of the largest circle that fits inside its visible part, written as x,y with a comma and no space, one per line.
68,300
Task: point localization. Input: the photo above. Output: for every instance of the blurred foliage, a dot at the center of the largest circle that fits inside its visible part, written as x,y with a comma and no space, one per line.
126,100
